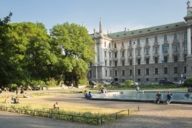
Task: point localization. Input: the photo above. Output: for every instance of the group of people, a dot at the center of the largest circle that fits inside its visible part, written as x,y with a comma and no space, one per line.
88,95
159,98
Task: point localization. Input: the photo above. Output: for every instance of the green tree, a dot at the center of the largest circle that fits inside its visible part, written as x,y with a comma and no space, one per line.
25,53
5,66
73,47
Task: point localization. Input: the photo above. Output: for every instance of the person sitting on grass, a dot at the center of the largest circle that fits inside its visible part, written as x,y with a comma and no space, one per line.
56,106
158,98
15,100
88,95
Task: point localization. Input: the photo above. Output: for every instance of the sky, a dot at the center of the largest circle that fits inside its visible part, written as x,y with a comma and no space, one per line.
115,14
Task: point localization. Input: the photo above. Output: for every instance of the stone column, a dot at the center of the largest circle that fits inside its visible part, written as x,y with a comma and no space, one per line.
189,41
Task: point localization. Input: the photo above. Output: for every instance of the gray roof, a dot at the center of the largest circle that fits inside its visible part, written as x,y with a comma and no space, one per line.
147,30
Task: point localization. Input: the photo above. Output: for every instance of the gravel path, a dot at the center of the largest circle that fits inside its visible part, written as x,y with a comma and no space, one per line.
12,120
150,116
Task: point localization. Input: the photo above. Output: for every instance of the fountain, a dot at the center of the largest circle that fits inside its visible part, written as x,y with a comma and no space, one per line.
143,96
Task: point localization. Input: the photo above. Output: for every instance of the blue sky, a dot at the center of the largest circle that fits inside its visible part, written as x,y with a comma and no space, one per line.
115,14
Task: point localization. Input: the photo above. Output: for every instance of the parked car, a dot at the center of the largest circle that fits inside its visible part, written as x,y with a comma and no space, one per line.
93,83
164,82
189,89
115,83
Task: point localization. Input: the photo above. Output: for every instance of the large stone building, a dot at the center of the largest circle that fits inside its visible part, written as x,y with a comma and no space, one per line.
144,55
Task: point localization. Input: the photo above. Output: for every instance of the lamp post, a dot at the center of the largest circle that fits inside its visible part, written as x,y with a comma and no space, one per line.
134,62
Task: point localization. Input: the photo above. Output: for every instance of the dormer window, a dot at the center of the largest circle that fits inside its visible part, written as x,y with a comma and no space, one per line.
122,44
147,41
138,42
156,39
165,38
115,45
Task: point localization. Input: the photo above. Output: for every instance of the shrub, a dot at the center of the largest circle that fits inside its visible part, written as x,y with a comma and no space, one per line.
128,83
13,87
51,82
188,82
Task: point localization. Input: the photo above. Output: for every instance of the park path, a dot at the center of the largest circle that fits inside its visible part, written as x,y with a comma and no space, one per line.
13,120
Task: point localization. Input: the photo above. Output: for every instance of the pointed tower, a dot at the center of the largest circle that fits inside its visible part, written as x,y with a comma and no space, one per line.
100,27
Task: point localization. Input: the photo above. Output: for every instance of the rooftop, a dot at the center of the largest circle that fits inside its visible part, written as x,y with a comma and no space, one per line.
147,30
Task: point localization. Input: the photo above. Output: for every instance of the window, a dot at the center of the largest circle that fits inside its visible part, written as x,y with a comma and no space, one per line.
105,62
138,52
156,49
147,79
105,53
123,54
185,57
175,36
123,62
130,72
106,73
156,79
147,71
115,72
165,59
138,80
165,70
111,73
90,74
122,45
175,58
139,72
175,70
130,53
115,45
147,60
138,61
130,62
175,48
156,60
138,42
156,71
109,45
130,43
115,54
147,51
165,38
175,79
123,72
147,41
116,63
109,54
156,40
185,69
165,48
110,63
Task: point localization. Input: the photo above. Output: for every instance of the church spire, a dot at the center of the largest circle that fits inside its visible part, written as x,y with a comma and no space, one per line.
100,26
188,4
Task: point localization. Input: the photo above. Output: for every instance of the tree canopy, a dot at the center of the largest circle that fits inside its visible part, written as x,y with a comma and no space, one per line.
28,52
73,47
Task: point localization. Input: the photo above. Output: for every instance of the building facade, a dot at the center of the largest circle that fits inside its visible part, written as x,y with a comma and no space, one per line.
145,55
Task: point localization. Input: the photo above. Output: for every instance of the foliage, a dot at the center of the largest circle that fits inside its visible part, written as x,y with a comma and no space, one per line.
73,47
87,117
51,82
13,87
188,83
128,83
30,56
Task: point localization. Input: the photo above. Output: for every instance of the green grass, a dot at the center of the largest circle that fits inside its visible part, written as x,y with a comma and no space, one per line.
86,117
